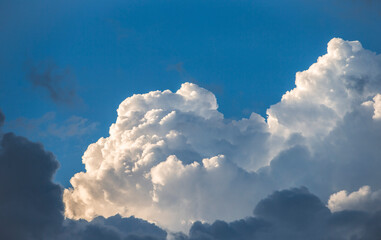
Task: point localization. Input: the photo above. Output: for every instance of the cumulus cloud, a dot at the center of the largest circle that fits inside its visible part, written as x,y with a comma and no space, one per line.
58,83
172,158
338,82
135,171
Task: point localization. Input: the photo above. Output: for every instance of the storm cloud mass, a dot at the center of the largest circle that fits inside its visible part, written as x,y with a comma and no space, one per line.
173,159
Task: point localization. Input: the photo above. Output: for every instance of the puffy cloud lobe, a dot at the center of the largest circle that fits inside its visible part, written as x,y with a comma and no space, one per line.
377,107
171,156
332,87
204,182
292,214
328,153
362,200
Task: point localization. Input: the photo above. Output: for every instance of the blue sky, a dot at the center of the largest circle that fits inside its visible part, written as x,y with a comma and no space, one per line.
245,52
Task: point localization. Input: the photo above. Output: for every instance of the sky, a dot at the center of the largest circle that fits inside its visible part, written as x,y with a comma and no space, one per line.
191,119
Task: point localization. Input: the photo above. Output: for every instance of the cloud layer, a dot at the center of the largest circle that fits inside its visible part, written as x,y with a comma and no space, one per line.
172,158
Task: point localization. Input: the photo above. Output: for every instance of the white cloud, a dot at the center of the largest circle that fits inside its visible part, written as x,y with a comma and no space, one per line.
172,158
362,200
377,107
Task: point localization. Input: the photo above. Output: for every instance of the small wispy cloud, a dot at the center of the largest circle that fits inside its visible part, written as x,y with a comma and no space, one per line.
73,126
179,68
49,126
57,82
187,77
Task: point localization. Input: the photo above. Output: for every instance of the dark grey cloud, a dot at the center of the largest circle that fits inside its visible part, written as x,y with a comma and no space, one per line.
2,118
114,227
30,203
292,214
58,83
